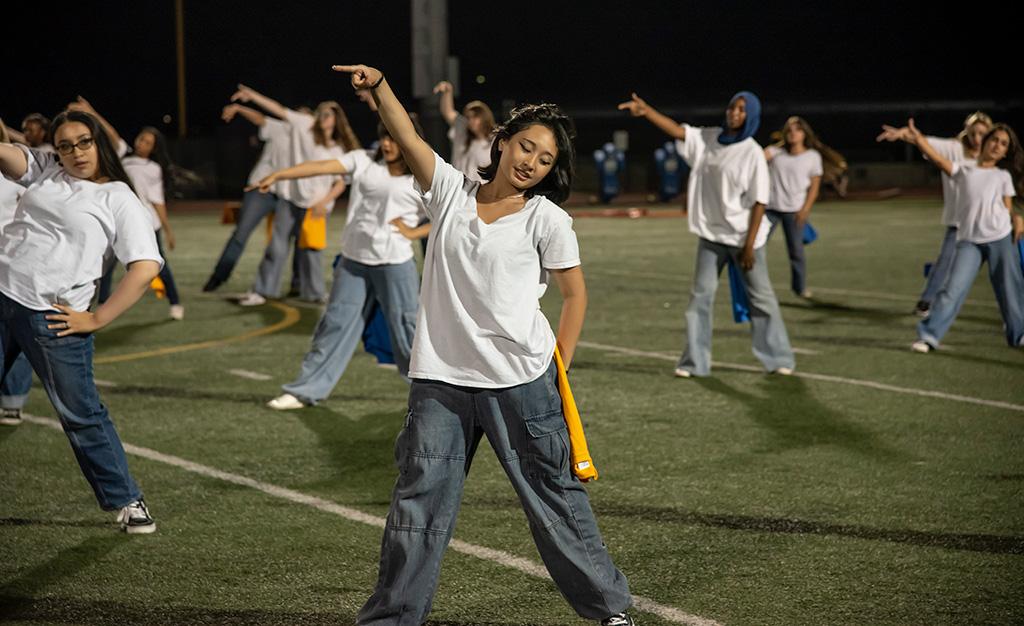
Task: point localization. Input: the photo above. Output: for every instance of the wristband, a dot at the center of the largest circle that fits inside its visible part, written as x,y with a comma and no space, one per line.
377,84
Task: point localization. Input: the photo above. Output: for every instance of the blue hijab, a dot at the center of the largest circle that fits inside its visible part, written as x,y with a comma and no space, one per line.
750,125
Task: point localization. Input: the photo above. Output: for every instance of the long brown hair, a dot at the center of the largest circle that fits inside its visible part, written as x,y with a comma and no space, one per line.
1013,162
480,109
972,119
343,135
829,155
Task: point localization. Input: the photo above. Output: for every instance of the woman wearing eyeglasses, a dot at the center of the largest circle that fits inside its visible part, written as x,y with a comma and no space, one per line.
75,210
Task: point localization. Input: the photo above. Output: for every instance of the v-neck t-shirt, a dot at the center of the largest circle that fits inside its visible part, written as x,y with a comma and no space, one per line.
480,323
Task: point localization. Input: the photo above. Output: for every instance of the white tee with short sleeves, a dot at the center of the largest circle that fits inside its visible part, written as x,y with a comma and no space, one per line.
10,193
276,154
305,192
480,322
64,227
377,198
468,159
725,182
953,151
982,216
791,176
148,179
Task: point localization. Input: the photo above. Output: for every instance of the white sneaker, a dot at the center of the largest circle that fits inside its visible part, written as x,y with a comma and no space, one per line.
806,294
681,373
783,371
921,346
388,366
135,519
252,299
177,312
285,402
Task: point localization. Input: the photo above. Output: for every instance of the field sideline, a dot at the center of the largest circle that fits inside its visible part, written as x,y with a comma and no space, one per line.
877,487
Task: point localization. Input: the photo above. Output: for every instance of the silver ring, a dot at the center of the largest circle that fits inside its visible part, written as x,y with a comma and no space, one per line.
67,325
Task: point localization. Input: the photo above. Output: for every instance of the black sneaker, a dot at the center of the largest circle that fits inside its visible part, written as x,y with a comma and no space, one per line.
10,417
922,308
213,284
135,519
619,619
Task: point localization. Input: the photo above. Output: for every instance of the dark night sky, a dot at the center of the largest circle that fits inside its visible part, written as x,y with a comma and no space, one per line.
585,55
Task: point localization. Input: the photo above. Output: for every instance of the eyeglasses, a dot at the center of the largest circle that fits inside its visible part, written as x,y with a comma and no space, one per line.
66,147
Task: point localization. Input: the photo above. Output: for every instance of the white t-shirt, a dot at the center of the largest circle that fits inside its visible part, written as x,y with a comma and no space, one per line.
64,227
148,179
376,199
468,159
791,177
305,192
479,322
276,155
952,150
982,216
10,192
725,182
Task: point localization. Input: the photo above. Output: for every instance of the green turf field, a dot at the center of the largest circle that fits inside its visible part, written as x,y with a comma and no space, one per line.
738,499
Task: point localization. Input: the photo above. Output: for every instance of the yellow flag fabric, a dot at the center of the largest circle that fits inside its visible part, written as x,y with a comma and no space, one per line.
582,465
313,235
158,287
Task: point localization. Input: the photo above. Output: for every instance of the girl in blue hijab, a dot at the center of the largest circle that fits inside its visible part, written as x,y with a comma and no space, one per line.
726,198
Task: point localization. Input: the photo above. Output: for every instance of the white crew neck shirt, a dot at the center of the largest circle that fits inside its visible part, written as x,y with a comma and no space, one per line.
725,182
479,322
468,159
791,176
982,216
64,227
377,198
10,193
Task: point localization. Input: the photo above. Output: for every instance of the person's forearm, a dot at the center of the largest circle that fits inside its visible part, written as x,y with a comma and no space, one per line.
667,125
13,162
756,216
108,128
812,195
161,212
311,168
252,115
933,155
16,136
419,156
448,111
570,325
268,104
132,287
337,189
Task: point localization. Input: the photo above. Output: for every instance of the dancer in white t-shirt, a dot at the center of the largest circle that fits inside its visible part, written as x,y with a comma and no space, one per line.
795,168
963,148
75,212
469,131
324,135
482,362
376,268
727,192
987,231
17,379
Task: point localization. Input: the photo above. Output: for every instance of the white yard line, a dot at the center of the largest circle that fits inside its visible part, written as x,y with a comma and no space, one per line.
499,557
925,393
249,375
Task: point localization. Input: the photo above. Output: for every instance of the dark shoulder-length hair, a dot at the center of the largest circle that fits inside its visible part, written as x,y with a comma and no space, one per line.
557,184
479,109
109,165
382,132
1013,162
161,155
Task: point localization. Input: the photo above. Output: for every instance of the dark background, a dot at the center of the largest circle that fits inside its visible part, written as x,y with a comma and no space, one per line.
846,67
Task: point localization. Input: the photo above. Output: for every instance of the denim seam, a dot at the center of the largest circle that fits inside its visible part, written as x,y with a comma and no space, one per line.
442,457
417,529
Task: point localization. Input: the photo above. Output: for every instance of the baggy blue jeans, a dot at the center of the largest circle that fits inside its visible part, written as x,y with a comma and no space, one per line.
255,207
1004,271
17,382
64,365
794,247
939,273
526,429
770,341
357,288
